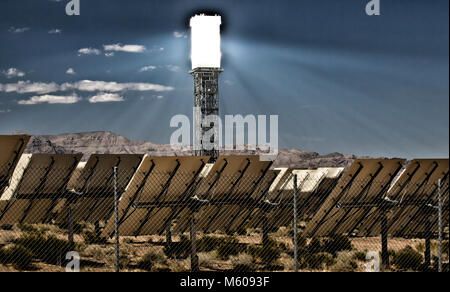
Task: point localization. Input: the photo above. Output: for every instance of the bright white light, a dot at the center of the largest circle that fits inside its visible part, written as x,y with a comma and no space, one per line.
205,33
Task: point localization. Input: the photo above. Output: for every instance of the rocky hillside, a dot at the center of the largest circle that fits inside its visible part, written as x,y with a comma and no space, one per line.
107,142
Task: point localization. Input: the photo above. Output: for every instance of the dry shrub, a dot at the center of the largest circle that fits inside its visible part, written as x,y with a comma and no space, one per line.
230,246
91,237
283,232
242,263
180,266
178,250
408,259
209,243
94,251
287,262
18,256
360,256
207,259
332,245
317,261
345,262
47,248
151,259
268,253
124,260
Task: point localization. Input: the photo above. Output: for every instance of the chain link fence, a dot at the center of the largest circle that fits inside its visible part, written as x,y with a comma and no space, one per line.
54,218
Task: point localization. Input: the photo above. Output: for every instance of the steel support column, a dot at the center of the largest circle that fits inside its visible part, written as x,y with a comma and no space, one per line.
116,218
384,240
71,231
440,224
193,237
428,236
427,253
169,234
265,230
295,226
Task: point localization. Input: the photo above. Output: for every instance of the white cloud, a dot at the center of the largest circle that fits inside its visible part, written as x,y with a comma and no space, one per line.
147,68
89,51
13,72
5,111
125,48
13,29
88,85
173,68
55,31
157,49
106,97
160,97
28,87
178,34
111,54
70,71
84,85
51,99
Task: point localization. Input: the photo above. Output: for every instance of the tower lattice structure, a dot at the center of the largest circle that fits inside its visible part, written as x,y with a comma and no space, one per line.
206,102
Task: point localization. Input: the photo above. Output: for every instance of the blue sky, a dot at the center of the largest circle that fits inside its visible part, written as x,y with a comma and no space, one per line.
339,80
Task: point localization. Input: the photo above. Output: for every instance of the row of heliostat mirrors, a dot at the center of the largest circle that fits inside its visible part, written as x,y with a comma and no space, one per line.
157,193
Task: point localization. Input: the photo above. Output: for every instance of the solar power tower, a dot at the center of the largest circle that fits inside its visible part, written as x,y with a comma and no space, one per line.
205,56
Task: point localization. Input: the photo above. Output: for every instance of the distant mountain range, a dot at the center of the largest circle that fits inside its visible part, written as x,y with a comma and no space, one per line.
103,142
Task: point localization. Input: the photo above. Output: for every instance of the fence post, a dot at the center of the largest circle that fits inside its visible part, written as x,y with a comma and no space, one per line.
116,218
295,226
440,224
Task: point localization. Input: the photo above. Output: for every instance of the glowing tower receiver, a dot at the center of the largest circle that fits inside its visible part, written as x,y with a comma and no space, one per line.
205,57
205,34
